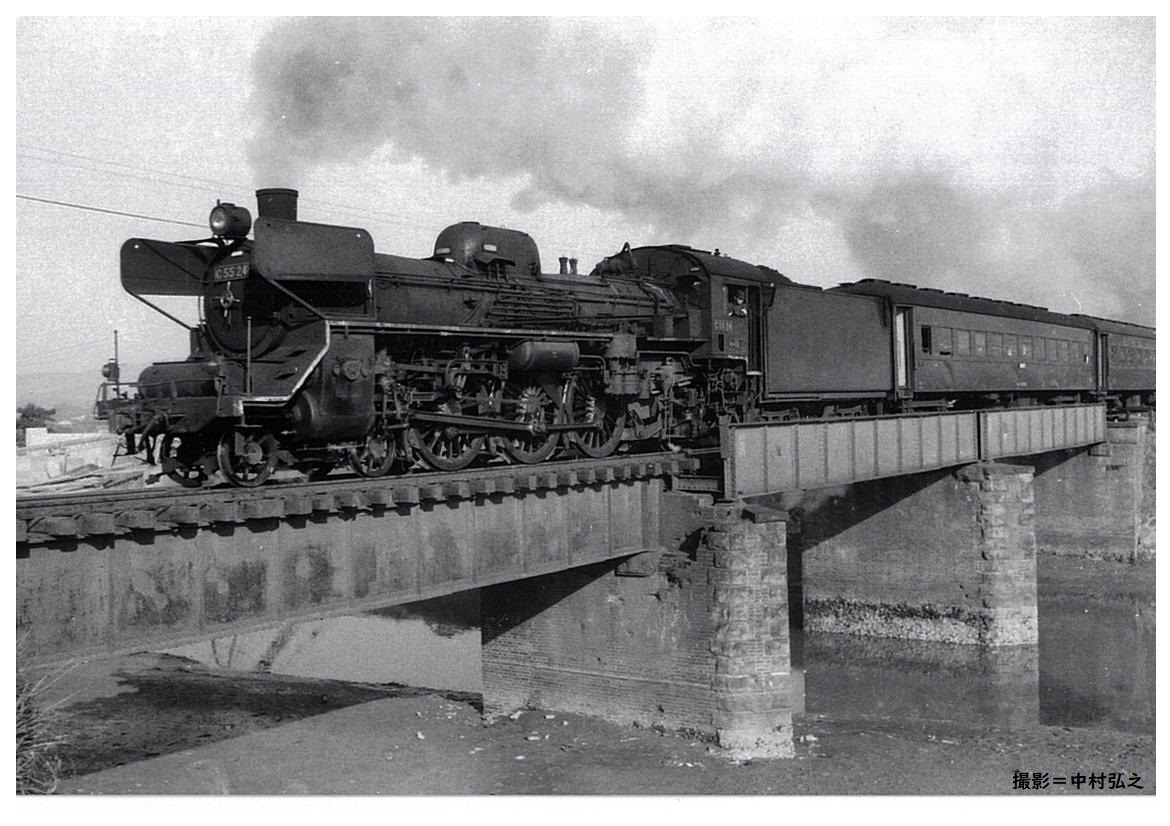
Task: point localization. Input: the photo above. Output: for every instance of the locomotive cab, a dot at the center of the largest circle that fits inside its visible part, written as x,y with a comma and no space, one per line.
725,300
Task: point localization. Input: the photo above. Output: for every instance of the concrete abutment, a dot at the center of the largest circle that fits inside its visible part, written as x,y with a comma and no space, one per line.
690,639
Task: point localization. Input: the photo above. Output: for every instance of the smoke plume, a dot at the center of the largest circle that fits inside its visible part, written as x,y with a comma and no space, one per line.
1008,158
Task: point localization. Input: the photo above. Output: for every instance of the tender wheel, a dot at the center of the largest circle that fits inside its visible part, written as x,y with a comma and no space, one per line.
181,458
529,403
375,457
588,405
247,457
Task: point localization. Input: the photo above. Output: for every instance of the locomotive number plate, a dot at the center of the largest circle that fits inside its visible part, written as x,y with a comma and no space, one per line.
231,272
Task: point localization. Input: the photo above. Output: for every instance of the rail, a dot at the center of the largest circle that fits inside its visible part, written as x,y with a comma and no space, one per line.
65,517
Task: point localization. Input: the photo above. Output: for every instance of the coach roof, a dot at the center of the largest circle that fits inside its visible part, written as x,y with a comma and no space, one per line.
961,302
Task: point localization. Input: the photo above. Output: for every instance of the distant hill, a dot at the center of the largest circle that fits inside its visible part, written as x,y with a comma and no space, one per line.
72,393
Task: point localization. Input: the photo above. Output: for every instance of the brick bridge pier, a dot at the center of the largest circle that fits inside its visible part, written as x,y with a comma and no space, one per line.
695,637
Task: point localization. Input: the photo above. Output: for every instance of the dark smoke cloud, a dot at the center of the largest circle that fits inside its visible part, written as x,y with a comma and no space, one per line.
853,131
471,96
550,100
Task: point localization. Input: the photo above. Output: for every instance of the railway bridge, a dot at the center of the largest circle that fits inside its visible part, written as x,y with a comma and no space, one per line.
651,588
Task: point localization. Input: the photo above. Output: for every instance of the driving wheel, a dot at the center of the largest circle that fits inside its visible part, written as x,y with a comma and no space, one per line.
531,404
247,456
607,419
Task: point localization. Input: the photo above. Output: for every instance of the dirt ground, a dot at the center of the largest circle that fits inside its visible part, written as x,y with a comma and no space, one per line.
160,724
395,740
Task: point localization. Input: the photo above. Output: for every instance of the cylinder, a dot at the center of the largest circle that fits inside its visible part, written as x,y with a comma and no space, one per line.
564,265
277,203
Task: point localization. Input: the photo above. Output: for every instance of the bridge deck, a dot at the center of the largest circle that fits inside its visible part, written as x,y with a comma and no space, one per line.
102,574
773,457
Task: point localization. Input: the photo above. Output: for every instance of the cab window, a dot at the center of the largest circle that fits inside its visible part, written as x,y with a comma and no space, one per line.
736,301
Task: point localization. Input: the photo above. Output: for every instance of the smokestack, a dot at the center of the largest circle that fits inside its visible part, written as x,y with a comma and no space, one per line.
277,203
564,265
572,266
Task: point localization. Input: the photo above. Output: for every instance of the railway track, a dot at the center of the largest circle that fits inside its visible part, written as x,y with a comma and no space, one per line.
63,517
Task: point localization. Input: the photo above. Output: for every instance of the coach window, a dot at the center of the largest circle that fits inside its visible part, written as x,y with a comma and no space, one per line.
1062,348
1053,355
994,345
1009,346
1025,347
926,337
962,343
1039,348
979,342
942,341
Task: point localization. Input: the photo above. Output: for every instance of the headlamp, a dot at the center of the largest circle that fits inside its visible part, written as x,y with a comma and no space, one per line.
230,221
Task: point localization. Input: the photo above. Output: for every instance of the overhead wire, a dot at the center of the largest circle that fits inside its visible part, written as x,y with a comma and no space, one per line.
221,187
105,211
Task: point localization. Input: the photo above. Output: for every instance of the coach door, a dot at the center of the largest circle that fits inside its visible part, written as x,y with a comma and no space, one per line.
902,326
1102,341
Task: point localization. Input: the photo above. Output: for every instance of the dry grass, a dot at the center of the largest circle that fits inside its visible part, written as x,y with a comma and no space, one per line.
38,735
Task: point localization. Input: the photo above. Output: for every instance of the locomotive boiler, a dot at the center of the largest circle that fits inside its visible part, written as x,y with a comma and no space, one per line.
313,351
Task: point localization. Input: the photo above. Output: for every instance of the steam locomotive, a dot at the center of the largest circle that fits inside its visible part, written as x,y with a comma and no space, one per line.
314,351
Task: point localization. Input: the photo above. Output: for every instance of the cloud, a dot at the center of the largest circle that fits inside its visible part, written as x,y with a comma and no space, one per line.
1006,157
471,96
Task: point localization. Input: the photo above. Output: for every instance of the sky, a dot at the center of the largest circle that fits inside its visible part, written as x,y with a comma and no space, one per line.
1011,158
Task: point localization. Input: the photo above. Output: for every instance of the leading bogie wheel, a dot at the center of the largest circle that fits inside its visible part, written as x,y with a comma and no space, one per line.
247,457
181,459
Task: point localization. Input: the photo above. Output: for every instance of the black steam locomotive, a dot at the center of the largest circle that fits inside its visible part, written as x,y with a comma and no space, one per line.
314,351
